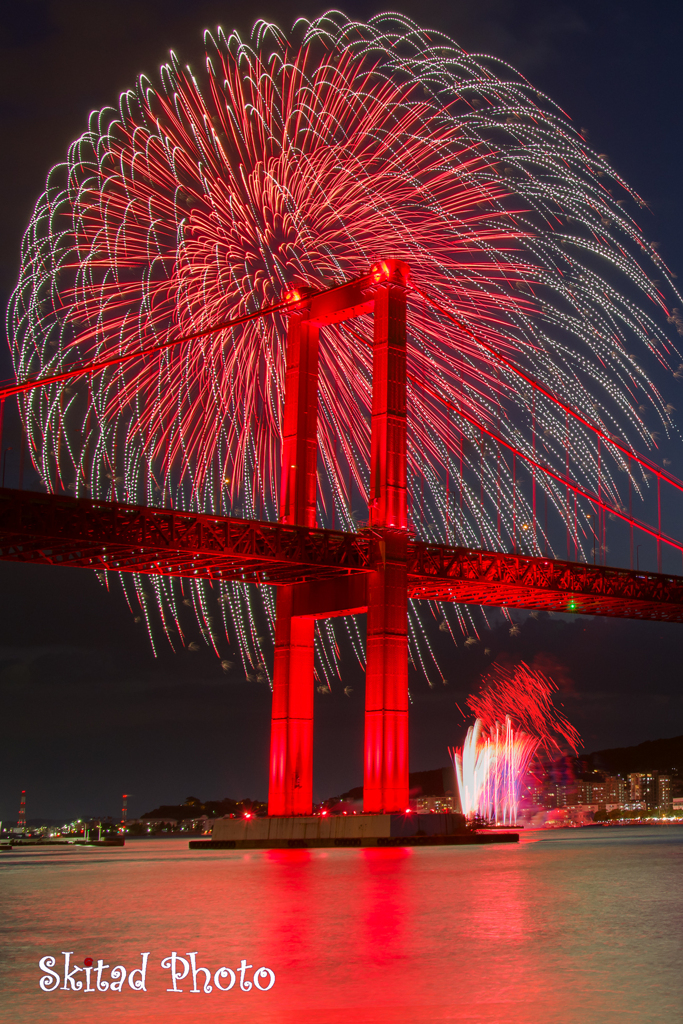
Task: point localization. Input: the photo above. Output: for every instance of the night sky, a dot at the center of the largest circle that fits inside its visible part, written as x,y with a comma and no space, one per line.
86,711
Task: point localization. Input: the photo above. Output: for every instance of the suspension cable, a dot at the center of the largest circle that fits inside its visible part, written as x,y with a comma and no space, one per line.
7,390
628,452
548,471
534,463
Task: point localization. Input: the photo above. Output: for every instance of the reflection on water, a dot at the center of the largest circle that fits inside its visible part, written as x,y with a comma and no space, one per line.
564,928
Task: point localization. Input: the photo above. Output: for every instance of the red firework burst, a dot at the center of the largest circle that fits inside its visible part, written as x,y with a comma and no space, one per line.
526,696
302,158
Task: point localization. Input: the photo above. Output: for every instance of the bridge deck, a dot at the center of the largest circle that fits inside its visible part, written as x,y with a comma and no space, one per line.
466,576
55,530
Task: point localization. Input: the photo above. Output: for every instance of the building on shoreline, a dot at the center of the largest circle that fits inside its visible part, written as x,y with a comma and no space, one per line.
597,796
652,788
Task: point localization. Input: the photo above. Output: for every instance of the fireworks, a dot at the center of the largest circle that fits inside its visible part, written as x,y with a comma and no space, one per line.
490,768
303,157
526,695
495,757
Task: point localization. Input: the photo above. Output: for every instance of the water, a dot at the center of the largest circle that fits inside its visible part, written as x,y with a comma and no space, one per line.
567,927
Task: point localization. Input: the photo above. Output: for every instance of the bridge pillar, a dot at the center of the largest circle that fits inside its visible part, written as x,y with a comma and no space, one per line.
298,484
291,743
386,681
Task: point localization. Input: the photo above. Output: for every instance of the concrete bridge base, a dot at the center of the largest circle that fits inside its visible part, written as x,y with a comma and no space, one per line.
309,832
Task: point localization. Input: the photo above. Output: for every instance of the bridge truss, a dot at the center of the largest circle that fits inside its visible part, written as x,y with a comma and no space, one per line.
45,529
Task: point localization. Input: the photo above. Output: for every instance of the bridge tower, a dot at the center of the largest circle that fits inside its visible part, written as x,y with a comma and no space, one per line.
291,736
382,593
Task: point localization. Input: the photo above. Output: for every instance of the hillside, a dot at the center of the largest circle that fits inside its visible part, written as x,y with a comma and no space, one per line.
194,808
653,755
665,755
435,782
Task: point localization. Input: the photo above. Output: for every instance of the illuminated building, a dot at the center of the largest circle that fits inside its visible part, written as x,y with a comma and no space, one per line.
612,791
436,804
664,797
652,789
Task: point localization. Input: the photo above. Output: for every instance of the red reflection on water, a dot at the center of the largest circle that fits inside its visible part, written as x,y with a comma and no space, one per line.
288,856
385,853
384,935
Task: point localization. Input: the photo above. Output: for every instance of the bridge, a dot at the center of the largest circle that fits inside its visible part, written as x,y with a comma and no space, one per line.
320,573
47,529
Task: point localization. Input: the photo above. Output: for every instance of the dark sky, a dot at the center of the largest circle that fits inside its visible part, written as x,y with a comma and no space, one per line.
86,711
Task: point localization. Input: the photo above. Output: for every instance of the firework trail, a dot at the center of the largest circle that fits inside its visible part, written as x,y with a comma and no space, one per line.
490,768
495,757
526,696
305,156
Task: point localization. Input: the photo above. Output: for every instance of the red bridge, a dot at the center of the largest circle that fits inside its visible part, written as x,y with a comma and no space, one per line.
323,573
55,530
